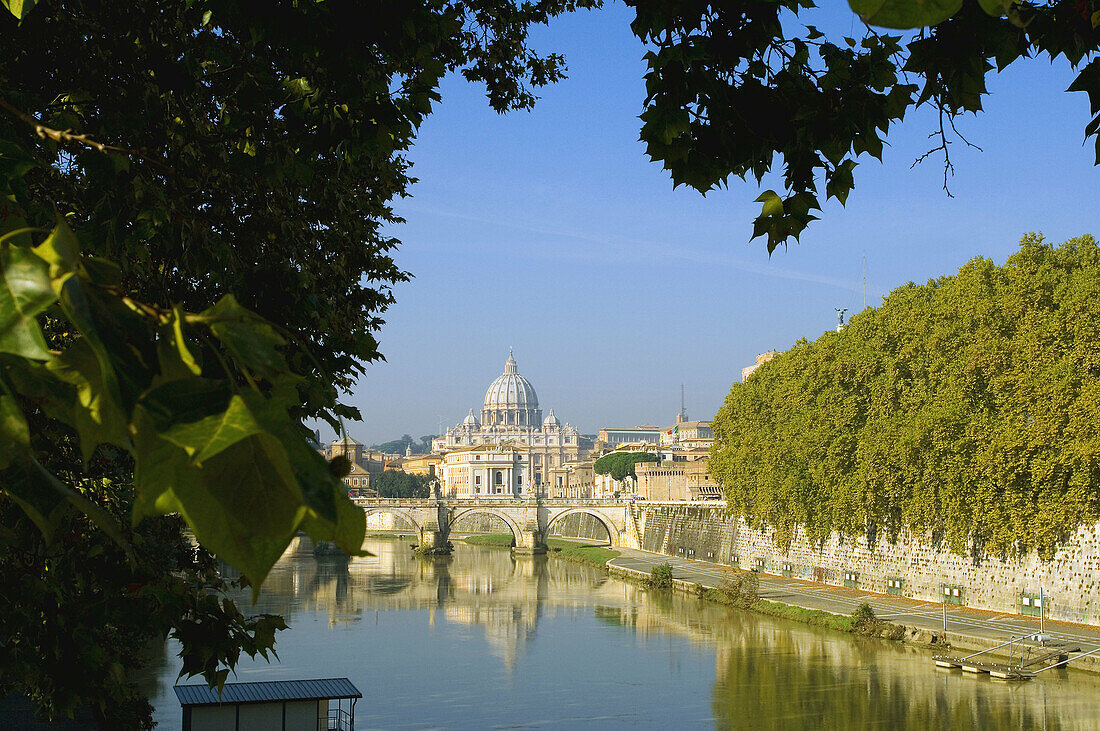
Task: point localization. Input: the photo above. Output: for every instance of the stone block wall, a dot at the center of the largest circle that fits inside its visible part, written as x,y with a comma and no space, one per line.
915,565
579,525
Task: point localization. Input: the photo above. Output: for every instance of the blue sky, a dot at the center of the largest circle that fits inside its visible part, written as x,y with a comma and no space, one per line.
550,232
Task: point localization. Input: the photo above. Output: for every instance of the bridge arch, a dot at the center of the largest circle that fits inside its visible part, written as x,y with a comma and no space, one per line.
606,522
399,512
460,513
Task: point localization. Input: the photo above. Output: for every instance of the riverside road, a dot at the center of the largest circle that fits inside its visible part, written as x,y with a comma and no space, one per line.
982,626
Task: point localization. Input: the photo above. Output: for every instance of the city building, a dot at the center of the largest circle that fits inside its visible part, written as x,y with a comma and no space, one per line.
687,434
573,480
369,459
358,482
685,476
511,418
418,464
487,470
760,360
611,438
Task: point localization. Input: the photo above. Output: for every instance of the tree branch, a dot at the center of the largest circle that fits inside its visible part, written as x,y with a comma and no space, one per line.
67,135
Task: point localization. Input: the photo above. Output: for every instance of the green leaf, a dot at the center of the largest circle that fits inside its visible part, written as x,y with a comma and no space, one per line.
62,251
243,503
841,182
43,497
96,415
15,162
996,8
204,437
347,531
318,484
25,291
20,8
773,204
1088,81
15,437
173,352
905,14
25,486
251,339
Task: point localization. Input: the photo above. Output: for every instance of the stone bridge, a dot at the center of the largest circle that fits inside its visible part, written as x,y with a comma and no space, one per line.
529,520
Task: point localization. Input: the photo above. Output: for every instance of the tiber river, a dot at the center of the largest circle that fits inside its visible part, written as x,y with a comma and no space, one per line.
485,640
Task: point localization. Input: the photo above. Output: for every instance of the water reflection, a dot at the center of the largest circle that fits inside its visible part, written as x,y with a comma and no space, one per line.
485,638
492,589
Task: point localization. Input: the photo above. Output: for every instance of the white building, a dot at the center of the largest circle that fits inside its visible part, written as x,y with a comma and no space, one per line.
510,420
487,470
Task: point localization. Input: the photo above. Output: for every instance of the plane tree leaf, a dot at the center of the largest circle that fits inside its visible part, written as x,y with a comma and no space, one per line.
243,503
15,435
251,339
201,416
905,14
27,488
25,292
348,529
95,413
20,8
174,353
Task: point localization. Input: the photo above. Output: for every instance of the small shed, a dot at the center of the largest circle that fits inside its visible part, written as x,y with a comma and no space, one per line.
289,705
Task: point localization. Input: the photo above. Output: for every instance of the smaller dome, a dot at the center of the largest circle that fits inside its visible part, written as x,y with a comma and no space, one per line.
551,420
470,419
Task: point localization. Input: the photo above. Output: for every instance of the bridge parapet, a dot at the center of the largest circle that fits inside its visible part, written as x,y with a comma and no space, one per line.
529,520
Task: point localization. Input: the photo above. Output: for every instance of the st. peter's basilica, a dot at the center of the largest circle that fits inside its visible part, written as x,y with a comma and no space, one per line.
511,424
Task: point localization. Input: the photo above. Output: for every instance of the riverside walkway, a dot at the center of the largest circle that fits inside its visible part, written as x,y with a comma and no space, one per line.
966,627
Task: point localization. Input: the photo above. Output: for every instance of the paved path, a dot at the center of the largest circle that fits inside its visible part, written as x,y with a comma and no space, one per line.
991,627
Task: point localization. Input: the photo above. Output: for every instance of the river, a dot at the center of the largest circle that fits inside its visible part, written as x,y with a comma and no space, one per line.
481,639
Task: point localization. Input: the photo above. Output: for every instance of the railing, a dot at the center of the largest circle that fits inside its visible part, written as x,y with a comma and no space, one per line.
492,499
339,720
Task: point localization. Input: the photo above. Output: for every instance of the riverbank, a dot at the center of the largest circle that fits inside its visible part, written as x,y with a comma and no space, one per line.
582,553
921,623
862,621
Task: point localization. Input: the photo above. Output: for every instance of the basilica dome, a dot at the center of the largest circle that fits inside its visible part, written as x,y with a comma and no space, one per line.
511,390
511,401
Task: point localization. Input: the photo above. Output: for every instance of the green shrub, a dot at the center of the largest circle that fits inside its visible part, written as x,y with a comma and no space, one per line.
742,589
864,616
660,577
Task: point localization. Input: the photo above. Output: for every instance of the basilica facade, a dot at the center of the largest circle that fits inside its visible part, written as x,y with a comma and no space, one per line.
510,429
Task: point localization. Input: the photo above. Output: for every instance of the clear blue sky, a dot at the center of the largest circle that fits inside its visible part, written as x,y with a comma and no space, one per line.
550,231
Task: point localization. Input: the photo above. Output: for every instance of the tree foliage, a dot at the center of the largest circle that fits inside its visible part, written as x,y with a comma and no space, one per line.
745,88
968,406
396,483
192,261
620,465
77,613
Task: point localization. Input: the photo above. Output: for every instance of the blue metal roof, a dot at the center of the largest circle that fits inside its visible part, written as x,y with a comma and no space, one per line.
267,692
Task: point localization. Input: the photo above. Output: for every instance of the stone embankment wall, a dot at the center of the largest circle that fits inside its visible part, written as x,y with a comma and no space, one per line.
914,566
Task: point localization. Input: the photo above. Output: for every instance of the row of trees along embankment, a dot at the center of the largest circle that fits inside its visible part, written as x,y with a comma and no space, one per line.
968,406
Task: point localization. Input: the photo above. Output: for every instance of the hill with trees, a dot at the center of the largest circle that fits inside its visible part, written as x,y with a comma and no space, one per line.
968,406
398,446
